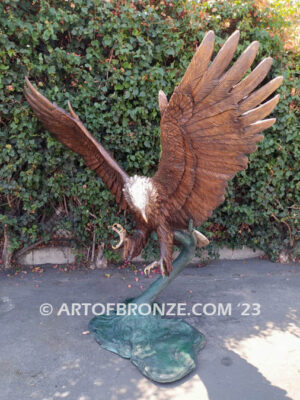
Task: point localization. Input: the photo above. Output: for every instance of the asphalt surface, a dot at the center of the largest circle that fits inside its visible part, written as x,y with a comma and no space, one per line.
252,352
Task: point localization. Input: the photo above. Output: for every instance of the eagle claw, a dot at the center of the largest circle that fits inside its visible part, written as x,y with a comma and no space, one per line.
151,266
155,264
118,228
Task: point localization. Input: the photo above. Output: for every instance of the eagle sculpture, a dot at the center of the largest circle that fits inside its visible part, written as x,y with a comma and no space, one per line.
209,125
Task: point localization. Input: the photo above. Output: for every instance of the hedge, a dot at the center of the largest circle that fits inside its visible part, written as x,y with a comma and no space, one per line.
110,58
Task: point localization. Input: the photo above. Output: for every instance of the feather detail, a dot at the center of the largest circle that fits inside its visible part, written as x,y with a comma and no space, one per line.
209,126
70,131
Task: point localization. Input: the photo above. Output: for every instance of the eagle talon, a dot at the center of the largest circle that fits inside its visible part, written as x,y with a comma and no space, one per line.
118,228
151,266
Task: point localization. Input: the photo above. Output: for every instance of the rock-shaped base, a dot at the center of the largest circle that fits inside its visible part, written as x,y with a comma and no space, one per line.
165,350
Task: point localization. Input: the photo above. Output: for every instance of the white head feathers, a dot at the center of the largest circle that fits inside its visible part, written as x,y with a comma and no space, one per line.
138,190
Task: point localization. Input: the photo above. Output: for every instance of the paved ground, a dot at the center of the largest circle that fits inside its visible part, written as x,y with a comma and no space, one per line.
247,357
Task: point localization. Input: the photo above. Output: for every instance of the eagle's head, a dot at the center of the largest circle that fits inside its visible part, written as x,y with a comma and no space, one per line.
140,194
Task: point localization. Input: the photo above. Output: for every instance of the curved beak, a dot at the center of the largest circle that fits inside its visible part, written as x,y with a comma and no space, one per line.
144,216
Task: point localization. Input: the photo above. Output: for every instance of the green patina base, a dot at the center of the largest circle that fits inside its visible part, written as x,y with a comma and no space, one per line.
165,350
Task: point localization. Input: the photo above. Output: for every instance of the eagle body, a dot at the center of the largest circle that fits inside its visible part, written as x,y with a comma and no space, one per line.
145,205
208,127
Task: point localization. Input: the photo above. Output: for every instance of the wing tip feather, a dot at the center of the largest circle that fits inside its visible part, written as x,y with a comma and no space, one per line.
278,80
209,36
235,33
254,46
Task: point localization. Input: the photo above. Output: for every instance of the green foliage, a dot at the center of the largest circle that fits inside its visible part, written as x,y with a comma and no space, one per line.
110,59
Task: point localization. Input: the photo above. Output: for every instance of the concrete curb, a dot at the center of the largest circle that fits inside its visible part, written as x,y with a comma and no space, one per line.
66,255
239,254
48,255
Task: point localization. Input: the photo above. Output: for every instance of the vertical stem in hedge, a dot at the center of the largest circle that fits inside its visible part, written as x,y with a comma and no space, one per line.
7,251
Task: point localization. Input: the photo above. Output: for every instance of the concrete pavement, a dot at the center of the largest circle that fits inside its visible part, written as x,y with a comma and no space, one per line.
251,357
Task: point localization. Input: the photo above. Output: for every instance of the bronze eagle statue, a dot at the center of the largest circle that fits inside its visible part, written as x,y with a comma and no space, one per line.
209,125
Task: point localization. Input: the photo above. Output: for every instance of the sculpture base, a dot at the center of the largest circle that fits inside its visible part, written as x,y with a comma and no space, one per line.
164,350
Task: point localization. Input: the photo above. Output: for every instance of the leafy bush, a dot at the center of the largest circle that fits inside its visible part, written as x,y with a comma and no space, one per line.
110,59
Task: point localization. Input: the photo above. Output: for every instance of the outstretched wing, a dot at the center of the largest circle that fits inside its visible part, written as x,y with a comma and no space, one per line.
70,131
209,126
